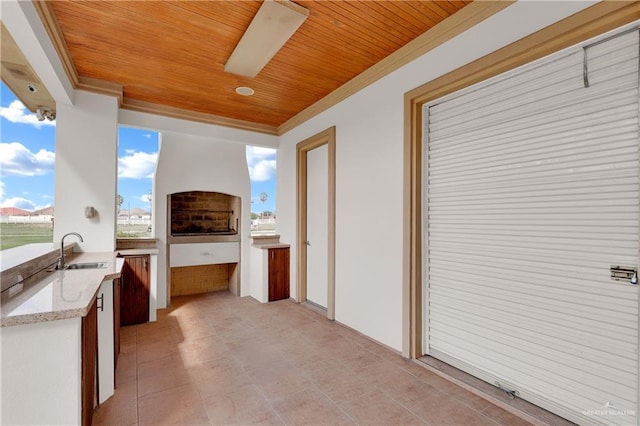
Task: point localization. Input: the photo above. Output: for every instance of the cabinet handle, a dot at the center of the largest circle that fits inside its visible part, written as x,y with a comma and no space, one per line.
101,302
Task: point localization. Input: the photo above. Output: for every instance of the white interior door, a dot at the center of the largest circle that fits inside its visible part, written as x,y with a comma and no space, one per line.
532,198
317,224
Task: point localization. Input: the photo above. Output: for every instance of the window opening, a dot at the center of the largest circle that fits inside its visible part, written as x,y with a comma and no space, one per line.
262,173
27,159
137,161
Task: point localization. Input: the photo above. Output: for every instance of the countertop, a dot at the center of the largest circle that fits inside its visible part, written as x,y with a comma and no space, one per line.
133,252
49,296
271,245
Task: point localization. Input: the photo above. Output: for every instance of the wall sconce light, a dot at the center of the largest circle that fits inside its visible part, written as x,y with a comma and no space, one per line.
90,212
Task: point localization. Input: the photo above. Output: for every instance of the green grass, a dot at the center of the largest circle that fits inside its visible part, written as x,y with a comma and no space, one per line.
133,231
18,234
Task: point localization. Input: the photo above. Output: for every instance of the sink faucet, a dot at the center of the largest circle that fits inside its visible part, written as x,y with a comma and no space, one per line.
61,264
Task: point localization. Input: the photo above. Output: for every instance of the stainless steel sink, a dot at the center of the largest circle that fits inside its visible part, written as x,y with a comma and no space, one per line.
87,265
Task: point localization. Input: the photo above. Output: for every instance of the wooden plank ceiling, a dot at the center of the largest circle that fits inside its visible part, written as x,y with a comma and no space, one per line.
172,53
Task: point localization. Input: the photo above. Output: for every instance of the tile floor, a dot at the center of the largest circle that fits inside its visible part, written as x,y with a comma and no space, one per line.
220,359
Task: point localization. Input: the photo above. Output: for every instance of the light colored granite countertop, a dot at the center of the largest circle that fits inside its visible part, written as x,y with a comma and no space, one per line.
49,296
133,252
270,245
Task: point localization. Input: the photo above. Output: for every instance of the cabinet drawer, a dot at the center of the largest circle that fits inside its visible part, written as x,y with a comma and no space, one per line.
204,254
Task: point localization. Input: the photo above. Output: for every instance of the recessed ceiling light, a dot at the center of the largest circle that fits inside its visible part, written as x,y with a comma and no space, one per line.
244,91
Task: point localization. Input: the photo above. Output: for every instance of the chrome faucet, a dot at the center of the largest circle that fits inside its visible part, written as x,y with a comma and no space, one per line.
61,264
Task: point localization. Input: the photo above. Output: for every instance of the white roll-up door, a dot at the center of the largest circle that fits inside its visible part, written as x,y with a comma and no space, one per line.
531,195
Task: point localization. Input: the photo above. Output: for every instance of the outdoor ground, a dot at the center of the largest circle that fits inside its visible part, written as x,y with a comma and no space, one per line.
17,234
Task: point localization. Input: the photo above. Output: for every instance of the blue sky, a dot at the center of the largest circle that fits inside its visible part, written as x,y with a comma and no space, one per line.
27,158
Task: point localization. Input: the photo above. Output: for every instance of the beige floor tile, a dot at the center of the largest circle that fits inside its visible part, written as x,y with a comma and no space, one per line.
503,417
446,410
310,407
161,374
152,351
121,408
177,406
377,408
243,405
409,390
219,379
280,380
126,370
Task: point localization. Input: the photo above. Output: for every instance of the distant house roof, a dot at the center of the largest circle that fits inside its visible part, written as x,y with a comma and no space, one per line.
44,211
13,211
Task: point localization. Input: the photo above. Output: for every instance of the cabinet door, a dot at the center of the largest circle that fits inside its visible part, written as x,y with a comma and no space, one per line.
134,298
278,274
89,363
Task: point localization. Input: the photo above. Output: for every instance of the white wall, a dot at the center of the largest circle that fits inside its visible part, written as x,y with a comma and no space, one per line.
194,163
85,170
369,170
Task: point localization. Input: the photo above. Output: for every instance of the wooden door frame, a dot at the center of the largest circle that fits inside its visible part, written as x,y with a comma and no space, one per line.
591,22
326,137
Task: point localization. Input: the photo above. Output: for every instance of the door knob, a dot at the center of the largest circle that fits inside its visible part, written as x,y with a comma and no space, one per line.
307,243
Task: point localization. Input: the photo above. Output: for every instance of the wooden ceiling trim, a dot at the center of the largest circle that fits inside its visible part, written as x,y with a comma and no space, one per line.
101,86
461,21
141,106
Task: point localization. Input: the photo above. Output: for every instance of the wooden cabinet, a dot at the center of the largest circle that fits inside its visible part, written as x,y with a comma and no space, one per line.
89,363
134,296
278,273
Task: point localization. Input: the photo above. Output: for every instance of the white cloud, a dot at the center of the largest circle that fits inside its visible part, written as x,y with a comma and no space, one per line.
21,203
147,135
261,162
18,160
144,197
137,165
1,190
16,112
262,171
